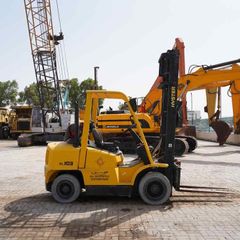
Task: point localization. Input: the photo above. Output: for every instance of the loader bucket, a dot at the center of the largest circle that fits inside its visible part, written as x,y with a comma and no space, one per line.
222,129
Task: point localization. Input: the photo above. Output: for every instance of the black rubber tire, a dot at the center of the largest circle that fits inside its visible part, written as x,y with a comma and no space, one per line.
181,147
24,141
154,181
68,183
192,143
14,136
1,133
5,132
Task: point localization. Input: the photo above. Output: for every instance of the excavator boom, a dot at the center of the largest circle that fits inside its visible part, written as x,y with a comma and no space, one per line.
211,78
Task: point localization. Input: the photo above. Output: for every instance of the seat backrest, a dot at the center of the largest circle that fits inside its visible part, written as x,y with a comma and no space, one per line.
97,138
70,133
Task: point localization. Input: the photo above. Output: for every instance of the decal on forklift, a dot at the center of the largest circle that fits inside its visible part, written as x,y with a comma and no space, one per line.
98,176
100,162
66,163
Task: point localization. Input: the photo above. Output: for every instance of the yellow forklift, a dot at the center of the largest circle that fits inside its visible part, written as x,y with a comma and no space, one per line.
85,164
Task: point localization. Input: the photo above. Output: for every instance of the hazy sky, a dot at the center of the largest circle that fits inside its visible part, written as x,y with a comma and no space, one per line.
125,38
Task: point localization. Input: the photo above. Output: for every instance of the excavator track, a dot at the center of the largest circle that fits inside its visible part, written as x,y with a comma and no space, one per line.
127,145
191,141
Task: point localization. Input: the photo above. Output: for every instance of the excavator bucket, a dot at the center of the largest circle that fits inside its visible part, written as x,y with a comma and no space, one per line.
222,129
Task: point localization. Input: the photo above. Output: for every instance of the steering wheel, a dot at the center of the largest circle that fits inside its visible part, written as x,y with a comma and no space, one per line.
133,134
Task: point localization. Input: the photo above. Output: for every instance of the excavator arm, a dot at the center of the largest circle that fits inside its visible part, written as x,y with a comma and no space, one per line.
235,93
211,78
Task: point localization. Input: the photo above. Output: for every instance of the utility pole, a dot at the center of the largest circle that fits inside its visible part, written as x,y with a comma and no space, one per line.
95,77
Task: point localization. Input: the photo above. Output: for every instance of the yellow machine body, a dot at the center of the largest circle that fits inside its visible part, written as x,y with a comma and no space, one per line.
97,167
116,123
200,79
4,123
4,115
20,120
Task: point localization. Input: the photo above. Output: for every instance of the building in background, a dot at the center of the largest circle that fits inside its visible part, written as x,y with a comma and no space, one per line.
193,115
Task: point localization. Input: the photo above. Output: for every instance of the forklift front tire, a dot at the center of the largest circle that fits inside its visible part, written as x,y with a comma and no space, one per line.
66,188
154,188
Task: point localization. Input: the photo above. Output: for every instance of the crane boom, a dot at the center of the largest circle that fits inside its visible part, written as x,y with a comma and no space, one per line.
43,46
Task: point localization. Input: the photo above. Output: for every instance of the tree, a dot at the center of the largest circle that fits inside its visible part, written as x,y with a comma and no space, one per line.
21,97
74,91
31,94
8,92
78,91
88,84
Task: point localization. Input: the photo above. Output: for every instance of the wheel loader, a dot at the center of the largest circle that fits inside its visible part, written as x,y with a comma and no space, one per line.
86,165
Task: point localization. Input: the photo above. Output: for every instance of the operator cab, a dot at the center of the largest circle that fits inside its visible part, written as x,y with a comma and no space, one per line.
112,147
70,136
98,139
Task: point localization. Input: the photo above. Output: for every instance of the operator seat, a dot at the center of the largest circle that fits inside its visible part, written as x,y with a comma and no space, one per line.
70,133
98,138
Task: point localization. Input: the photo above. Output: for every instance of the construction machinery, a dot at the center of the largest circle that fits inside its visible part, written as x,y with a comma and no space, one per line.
210,78
20,120
87,165
4,123
54,115
112,123
25,123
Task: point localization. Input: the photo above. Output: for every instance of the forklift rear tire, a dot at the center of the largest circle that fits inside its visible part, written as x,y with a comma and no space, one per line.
66,188
154,188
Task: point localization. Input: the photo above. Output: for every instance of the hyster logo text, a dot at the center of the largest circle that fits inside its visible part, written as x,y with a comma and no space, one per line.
173,98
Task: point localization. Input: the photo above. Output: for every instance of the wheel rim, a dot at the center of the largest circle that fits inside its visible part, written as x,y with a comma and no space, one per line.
155,190
65,189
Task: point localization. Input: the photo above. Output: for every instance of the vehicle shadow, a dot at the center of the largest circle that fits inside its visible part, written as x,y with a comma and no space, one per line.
90,216
215,144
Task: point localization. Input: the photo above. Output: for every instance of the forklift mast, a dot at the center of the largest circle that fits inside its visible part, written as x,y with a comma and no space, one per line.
168,70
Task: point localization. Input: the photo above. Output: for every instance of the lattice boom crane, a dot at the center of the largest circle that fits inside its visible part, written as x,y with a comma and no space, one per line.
43,46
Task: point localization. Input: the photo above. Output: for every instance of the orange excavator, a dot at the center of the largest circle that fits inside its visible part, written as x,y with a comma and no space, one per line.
112,124
211,78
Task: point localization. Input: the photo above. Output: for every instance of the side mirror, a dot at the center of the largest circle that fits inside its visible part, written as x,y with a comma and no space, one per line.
133,103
